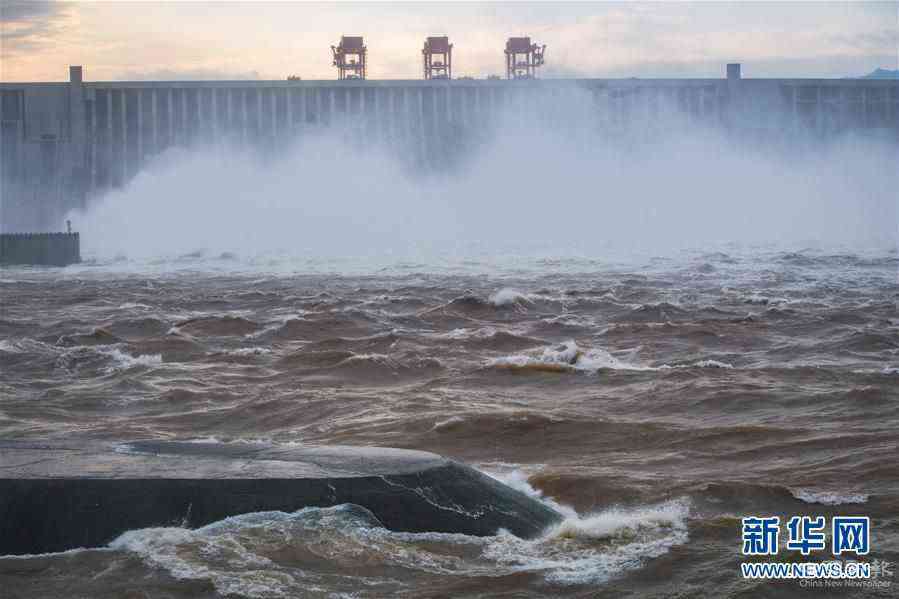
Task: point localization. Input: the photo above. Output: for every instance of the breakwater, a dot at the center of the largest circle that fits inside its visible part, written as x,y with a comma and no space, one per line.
42,249
64,142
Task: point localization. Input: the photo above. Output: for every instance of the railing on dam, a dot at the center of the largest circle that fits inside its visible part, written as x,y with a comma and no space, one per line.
62,142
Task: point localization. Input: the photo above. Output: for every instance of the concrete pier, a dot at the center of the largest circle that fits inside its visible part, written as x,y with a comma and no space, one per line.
40,249
64,142
55,497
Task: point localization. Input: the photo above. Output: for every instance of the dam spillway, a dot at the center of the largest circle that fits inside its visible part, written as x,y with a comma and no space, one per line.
61,143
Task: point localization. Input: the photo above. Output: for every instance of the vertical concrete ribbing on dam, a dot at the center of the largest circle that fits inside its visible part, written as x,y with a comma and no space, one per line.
224,115
93,142
277,129
108,141
242,111
139,118
295,116
77,134
419,107
154,119
331,108
230,113
398,100
126,136
170,120
175,107
183,138
225,120
288,116
865,112
260,100
305,108
378,113
118,131
213,118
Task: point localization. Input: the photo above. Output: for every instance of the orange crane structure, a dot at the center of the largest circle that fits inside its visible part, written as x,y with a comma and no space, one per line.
350,57
437,56
523,58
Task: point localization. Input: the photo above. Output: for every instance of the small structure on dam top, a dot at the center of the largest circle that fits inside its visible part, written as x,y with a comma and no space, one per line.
437,56
349,57
523,58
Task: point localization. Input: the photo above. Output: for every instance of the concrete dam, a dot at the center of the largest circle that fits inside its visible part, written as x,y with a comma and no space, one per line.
63,143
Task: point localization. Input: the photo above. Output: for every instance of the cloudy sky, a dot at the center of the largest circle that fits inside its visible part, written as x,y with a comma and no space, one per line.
180,39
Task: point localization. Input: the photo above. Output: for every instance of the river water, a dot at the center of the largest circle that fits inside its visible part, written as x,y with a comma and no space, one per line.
654,402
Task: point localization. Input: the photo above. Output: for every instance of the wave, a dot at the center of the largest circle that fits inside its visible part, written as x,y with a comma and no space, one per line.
319,327
654,312
99,336
737,497
489,338
373,368
509,297
124,361
74,358
866,341
148,326
699,364
378,344
470,304
829,497
240,355
325,550
218,326
134,306
315,359
566,357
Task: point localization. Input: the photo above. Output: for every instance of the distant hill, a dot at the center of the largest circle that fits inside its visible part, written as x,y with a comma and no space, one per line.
882,74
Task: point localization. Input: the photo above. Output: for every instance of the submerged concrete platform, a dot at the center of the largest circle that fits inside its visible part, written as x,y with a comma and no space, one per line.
55,497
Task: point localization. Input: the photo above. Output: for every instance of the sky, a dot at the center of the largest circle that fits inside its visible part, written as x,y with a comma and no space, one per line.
181,39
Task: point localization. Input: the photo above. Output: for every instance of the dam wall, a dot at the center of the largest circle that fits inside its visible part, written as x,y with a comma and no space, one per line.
61,143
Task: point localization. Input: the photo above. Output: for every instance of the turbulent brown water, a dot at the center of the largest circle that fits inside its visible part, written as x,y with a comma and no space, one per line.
654,403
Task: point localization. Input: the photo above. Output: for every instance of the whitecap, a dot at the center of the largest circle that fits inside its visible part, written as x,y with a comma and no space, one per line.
565,357
828,497
508,297
248,351
124,361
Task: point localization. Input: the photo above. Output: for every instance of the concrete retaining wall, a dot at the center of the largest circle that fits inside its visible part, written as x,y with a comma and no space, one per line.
42,249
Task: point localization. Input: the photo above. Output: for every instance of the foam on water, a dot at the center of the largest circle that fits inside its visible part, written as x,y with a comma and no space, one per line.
277,554
699,364
594,547
249,351
566,357
124,361
569,357
509,297
828,497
